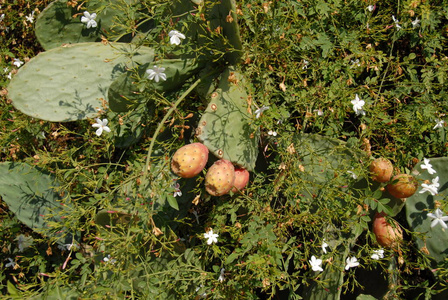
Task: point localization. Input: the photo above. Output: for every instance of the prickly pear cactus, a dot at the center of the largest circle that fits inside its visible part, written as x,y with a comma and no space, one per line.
31,195
60,23
125,90
225,125
70,83
420,204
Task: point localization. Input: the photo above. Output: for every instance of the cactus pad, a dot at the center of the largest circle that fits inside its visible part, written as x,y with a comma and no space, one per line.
59,23
420,204
225,125
70,83
31,195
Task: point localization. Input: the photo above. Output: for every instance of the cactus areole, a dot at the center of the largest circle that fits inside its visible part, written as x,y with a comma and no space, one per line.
189,160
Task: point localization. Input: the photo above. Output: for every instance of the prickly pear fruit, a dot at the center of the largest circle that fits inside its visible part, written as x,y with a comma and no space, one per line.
241,179
220,178
381,169
387,235
189,160
402,186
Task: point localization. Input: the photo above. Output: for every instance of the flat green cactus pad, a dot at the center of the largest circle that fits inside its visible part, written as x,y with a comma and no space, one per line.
420,204
70,83
224,127
32,196
59,23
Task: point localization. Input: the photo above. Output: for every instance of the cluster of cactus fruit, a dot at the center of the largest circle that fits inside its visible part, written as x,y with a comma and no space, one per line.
221,178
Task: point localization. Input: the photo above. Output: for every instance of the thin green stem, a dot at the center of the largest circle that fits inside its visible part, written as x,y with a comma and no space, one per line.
168,114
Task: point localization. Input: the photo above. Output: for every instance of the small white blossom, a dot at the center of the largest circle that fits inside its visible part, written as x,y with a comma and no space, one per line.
30,17
396,22
101,125
2,17
11,263
431,188
319,112
89,19
355,63
203,295
68,247
305,64
221,277
324,247
156,74
377,254
439,123
357,106
17,62
316,264
273,133
23,242
108,259
177,191
426,165
353,174
259,111
211,237
175,37
5,70
9,76
415,23
371,8
351,262
439,218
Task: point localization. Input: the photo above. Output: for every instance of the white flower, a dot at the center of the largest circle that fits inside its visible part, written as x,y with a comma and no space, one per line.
101,125
396,22
9,76
316,264
305,64
204,294
431,188
17,62
211,237
221,277
30,17
355,63
439,123
371,8
377,254
439,218
5,70
357,106
156,74
177,191
324,246
11,263
175,37
351,262
273,133
89,19
2,17
68,247
23,242
259,111
415,23
108,259
353,174
426,165
319,112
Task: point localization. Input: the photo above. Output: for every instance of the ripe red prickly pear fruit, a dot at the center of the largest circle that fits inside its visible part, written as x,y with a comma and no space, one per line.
189,160
405,186
220,178
387,235
381,169
241,179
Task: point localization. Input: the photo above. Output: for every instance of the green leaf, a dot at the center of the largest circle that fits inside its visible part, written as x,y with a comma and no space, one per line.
172,202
